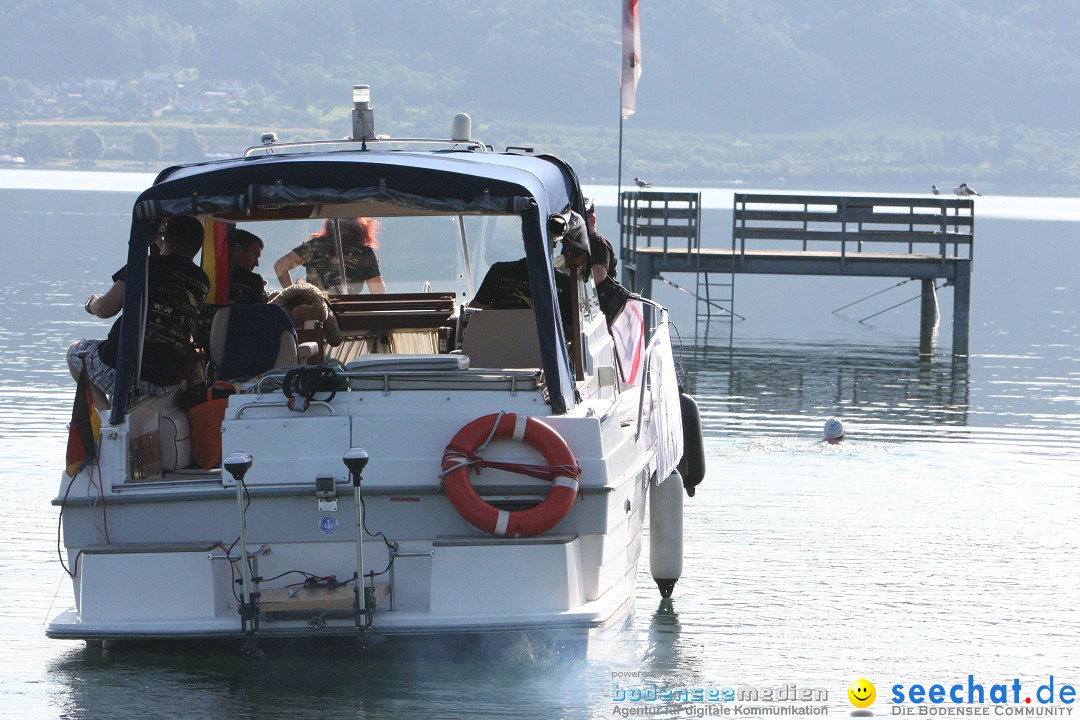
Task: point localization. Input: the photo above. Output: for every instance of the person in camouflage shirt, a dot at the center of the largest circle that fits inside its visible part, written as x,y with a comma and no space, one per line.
176,289
319,257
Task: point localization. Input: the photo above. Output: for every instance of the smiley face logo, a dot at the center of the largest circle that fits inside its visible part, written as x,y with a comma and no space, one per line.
862,693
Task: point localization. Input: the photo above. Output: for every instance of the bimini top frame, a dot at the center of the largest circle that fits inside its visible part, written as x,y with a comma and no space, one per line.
300,185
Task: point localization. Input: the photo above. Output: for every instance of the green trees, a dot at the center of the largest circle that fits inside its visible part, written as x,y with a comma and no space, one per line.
189,146
88,146
15,97
45,144
145,146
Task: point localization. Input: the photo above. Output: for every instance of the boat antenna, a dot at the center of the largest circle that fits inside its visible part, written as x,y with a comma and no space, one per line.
461,128
363,116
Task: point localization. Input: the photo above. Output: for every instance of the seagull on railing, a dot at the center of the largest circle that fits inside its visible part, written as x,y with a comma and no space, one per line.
965,190
642,183
934,189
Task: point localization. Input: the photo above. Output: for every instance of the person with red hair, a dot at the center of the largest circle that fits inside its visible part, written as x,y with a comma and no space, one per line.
319,256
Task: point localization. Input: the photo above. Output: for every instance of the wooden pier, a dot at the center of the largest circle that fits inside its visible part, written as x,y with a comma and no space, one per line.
922,238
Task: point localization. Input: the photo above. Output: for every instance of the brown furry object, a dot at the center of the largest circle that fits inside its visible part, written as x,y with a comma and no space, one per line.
303,301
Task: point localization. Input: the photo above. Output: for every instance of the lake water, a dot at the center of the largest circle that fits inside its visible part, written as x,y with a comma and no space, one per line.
939,541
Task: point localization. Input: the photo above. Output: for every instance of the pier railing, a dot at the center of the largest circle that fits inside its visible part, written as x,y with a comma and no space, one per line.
668,221
938,226
925,238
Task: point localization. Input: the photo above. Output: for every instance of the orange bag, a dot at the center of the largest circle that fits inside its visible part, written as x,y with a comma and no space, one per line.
205,422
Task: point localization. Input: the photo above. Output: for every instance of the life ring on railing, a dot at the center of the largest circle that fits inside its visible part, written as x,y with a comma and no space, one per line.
463,453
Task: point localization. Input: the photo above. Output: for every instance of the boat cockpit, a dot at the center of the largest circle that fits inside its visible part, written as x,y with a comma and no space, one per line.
403,318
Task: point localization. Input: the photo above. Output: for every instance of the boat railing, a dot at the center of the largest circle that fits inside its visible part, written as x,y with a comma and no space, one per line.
511,381
404,377
348,144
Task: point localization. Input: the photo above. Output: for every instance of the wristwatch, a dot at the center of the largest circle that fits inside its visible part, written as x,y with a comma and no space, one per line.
87,305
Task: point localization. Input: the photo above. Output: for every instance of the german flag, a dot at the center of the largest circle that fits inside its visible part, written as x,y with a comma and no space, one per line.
85,427
215,261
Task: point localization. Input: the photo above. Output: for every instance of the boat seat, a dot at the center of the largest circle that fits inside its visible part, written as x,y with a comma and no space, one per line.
502,339
248,340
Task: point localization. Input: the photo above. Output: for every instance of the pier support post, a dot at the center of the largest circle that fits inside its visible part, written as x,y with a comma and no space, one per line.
961,308
928,318
643,277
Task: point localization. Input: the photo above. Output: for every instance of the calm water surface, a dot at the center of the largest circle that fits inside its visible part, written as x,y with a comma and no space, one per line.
939,541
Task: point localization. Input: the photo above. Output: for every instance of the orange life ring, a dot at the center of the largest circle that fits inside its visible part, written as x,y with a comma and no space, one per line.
563,471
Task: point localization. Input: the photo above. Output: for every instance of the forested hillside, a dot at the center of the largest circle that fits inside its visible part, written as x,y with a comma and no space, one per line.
729,89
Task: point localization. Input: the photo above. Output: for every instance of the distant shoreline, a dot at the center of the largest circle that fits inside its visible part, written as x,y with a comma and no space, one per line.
839,159
1026,207
873,183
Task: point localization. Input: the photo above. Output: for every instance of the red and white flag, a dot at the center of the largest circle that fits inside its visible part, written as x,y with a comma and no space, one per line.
628,331
631,57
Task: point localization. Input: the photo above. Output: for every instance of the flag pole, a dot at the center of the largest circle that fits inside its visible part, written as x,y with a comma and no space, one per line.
629,71
618,184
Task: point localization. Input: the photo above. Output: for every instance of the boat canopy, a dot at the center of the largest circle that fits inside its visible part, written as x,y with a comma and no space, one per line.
375,183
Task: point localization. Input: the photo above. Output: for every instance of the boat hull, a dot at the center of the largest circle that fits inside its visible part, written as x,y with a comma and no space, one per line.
438,578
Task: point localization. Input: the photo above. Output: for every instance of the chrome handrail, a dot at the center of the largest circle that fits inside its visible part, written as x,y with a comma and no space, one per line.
347,143
240,410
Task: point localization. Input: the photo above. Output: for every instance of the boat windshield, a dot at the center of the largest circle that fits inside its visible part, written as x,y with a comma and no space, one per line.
449,253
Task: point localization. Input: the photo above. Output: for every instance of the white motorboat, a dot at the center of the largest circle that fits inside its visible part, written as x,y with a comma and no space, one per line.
379,492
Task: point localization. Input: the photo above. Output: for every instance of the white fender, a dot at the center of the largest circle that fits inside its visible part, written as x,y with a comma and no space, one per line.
666,532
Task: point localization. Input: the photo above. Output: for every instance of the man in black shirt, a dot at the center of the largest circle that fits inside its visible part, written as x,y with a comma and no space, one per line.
602,257
506,287
176,290
245,285
603,262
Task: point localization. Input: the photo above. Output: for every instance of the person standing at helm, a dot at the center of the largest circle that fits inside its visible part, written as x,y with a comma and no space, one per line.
324,264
